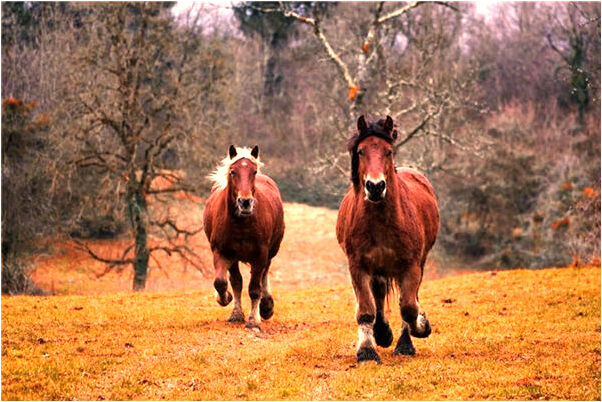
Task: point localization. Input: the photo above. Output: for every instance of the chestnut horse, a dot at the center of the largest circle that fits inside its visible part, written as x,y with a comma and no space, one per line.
244,221
387,223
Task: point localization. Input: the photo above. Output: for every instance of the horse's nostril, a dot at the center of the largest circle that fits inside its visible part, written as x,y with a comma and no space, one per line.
245,203
375,188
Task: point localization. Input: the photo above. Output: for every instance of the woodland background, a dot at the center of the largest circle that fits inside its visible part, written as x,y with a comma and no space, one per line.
106,106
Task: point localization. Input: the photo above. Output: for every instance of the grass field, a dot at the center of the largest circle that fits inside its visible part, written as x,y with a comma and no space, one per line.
496,335
508,335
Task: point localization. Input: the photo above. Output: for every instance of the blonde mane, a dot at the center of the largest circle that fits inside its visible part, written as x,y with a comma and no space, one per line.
219,177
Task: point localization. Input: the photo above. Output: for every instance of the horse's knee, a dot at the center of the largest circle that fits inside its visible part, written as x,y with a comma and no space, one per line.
223,297
220,285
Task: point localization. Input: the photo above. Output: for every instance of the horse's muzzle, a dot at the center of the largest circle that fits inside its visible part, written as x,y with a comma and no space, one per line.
245,205
375,192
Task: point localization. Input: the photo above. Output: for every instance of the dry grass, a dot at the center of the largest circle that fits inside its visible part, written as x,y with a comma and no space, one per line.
508,335
511,335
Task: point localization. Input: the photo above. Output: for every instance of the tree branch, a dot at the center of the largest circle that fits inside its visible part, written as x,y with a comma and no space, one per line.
341,66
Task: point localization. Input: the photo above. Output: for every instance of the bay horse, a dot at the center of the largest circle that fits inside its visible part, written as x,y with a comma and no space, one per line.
244,222
387,223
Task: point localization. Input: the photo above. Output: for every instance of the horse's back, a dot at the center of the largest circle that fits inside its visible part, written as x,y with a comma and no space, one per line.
415,179
422,194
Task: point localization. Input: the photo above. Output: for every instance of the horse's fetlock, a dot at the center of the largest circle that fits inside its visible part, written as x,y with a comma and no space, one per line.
365,319
382,332
409,314
266,307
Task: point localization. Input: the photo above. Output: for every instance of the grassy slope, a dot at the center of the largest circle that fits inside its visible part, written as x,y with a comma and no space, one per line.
511,335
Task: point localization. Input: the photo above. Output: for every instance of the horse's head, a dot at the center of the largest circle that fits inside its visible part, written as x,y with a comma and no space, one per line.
241,179
372,157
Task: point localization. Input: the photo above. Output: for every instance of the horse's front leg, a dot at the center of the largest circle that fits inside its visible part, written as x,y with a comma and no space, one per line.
236,282
415,322
382,331
365,314
220,283
258,269
266,305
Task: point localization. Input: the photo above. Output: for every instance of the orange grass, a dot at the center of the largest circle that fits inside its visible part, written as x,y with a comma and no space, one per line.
508,335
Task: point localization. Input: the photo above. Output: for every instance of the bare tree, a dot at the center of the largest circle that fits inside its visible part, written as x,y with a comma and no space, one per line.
135,79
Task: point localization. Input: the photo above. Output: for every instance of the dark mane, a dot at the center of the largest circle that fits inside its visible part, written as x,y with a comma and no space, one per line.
374,129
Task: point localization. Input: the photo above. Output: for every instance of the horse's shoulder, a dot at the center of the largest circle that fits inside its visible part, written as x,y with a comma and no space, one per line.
412,176
267,185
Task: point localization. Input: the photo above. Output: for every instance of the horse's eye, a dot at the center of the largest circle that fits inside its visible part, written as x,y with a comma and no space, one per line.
360,152
389,152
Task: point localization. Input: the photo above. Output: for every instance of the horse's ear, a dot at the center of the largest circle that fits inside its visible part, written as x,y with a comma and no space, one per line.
232,151
361,124
255,151
388,124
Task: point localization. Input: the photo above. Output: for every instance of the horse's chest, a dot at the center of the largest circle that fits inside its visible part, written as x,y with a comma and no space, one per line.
379,257
242,244
384,248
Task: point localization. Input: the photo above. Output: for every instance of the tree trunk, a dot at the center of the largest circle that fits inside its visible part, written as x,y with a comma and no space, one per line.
138,212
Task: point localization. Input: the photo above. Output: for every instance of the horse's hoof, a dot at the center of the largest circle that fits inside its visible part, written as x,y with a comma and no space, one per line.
404,350
252,325
383,334
404,345
366,354
266,307
237,317
422,329
224,299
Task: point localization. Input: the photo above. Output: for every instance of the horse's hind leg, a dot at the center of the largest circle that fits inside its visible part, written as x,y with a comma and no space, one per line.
220,283
236,282
415,323
365,315
266,305
382,331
